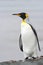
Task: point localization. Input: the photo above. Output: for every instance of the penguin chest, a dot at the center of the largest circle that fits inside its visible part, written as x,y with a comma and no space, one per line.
28,37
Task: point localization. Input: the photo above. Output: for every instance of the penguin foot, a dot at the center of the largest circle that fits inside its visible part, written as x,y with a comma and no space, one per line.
33,58
26,58
30,58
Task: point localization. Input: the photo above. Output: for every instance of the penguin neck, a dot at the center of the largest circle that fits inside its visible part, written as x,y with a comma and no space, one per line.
23,22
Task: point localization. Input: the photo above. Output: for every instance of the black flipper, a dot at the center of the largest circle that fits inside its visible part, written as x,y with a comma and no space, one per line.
36,36
20,43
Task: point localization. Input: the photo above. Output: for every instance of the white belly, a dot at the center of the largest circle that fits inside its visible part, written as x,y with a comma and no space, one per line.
28,38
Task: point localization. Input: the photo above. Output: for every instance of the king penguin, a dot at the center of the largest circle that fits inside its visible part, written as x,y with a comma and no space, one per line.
28,40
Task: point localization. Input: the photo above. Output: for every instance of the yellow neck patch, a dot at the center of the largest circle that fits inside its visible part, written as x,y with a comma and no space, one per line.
23,22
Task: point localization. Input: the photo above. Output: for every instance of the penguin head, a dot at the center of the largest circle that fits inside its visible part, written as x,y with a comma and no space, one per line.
22,15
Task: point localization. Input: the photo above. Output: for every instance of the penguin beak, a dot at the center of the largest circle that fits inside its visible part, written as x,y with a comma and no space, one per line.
16,14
